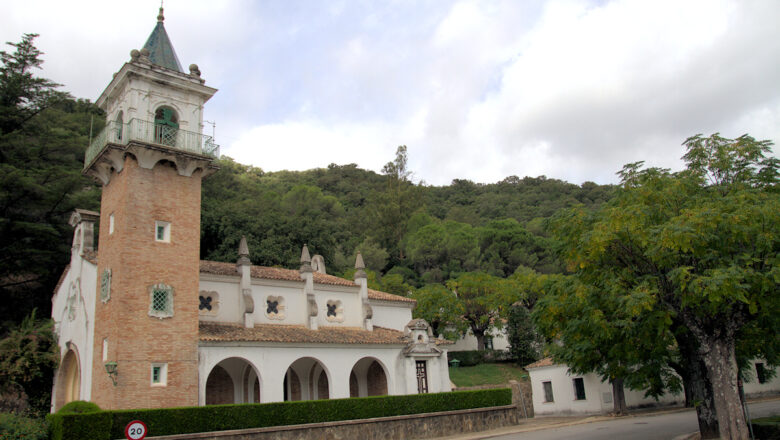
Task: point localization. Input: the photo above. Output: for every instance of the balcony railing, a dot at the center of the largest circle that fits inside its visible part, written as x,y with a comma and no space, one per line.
148,132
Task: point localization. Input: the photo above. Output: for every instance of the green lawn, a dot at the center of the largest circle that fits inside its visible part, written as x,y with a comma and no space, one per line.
486,374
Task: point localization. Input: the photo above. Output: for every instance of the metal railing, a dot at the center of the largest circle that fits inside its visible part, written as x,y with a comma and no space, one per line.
148,132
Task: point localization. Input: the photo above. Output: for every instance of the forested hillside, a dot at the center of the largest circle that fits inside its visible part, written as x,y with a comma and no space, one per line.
427,234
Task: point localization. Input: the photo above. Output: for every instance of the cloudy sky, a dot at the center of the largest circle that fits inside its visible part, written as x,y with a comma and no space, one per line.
477,90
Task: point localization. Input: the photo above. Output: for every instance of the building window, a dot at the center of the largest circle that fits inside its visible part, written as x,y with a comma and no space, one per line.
162,231
105,285
159,375
579,388
161,301
334,311
105,349
166,126
548,392
111,224
208,302
760,372
274,307
488,342
422,377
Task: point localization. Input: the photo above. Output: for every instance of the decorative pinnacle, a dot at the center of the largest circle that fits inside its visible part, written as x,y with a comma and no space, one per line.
360,266
243,252
160,16
305,260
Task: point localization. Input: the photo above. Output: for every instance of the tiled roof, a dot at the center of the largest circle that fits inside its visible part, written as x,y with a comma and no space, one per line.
384,296
277,273
62,278
546,362
226,332
160,48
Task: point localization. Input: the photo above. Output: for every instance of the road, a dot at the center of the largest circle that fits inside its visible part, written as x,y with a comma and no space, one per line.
649,427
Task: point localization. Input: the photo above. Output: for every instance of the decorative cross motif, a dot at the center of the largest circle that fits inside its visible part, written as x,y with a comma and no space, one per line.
272,306
332,310
205,303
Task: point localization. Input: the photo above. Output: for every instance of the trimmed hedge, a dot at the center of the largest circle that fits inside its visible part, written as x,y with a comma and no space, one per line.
766,428
476,357
168,421
79,407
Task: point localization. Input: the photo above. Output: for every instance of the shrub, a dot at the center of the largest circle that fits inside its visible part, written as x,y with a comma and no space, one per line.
767,428
13,427
92,426
79,407
106,425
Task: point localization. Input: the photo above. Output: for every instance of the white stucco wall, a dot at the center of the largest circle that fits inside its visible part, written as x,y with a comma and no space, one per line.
392,315
598,394
468,341
271,362
753,388
76,330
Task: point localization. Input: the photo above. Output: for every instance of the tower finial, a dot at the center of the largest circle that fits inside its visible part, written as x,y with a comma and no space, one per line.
160,16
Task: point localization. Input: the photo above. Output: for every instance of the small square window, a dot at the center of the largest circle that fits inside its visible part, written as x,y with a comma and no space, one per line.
162,231
159,375
161,301
111,223
548,392
579,388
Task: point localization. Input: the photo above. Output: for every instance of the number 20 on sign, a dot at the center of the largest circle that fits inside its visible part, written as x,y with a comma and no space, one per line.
135,430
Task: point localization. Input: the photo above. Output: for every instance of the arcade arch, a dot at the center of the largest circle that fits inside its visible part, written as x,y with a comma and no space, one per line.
233,380
306,379
368,378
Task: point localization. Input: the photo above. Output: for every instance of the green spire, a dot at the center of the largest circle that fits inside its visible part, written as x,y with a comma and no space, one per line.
160,48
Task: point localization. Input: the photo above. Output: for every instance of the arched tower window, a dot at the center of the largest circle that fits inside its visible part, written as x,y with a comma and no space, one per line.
118,124
166,126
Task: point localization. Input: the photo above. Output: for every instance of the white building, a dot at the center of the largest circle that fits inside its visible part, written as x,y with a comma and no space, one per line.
557,392
142,323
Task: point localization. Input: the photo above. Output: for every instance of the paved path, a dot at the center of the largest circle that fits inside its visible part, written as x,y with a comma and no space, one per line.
655,425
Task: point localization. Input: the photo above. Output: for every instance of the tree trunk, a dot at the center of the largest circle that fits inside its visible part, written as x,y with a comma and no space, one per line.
698,391
619,397
720,359
480,335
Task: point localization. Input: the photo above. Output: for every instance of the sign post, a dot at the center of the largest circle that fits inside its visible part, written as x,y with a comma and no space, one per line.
135,430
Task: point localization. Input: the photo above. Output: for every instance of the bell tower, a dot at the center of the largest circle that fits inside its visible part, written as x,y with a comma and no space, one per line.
150,159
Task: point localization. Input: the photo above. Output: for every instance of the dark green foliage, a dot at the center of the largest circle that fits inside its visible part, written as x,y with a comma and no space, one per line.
43,135
524,342
79,407
13,427
168,421
28,357
766,428
470,358
93,426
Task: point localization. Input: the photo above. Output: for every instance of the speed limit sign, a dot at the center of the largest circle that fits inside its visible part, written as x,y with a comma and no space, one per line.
135,430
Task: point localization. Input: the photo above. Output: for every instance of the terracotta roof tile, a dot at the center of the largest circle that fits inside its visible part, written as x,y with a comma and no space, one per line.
384,296
62,278
228,332
546,362
277,273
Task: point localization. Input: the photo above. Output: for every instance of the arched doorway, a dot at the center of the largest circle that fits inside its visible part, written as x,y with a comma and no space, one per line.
233,380
367,378
68,378
306,379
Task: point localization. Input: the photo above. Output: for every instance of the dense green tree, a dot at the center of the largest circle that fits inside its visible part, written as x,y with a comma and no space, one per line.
481,296
524,342
29,355
43,135
442,308
702,246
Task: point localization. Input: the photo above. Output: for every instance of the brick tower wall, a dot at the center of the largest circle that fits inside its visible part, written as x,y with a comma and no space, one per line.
138,197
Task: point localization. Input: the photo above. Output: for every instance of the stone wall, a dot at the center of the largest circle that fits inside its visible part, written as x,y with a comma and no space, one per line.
416,426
